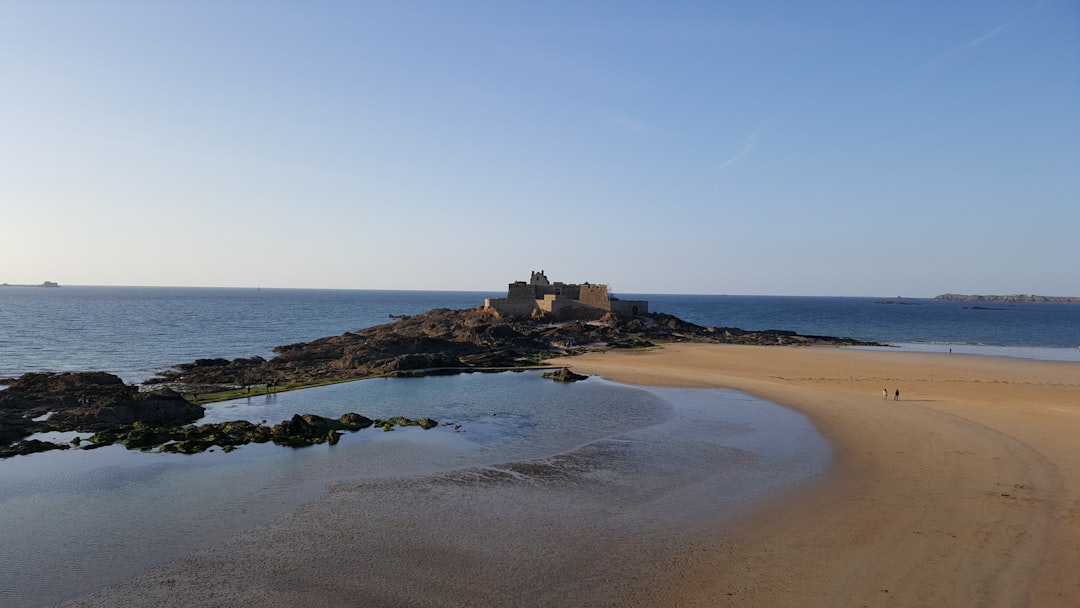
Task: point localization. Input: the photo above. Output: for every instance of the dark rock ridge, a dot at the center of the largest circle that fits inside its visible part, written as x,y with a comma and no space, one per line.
87,401
458,340
155,420
299,431
94,400
439,341
1008,298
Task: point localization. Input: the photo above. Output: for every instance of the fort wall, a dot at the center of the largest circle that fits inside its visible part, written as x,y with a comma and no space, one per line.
562,300
521,291
594,295
512,307
629,308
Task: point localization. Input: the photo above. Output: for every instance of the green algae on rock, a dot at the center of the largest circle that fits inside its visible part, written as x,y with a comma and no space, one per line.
299,431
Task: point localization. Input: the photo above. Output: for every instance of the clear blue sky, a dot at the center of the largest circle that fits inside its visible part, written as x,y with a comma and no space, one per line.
816,148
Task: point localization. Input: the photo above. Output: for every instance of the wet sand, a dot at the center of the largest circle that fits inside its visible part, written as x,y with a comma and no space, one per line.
965,492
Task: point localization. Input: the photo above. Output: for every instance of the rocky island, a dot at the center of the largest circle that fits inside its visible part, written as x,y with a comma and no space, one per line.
442,341
1009,298
45,284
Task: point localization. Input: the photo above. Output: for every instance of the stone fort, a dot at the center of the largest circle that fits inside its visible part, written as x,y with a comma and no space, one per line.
540,297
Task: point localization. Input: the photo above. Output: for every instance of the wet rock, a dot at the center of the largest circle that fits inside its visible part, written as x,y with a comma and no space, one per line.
85,401
461,340
298,431
563,374
29,446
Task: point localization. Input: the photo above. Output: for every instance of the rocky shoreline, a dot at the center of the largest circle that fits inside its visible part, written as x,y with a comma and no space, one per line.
160,416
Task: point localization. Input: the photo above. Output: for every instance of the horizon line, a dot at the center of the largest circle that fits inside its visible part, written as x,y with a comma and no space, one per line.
486,291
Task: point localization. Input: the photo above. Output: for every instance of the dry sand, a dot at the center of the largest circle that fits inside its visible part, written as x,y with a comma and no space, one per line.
966,492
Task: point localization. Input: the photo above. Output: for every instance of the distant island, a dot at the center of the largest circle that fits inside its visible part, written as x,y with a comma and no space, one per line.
1011,298
45,284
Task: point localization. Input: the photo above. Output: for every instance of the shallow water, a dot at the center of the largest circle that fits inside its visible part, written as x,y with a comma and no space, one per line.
500,416
75,521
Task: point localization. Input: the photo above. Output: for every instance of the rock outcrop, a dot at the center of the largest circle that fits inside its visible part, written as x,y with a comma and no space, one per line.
436,342
563,374
94,400
299,431
458,340
86,401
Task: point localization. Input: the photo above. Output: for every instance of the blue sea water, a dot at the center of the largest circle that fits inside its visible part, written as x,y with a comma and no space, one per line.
1029,330
136,331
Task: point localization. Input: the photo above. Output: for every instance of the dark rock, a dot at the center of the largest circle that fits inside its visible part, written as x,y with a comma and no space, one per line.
563,374
441,340
85,401
299,431
355,422
29,446
388,424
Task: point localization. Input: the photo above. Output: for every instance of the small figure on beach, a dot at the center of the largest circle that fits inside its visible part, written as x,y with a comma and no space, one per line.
896,397
885,394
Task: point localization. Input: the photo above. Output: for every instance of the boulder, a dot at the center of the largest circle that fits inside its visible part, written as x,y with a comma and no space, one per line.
563,374
93,400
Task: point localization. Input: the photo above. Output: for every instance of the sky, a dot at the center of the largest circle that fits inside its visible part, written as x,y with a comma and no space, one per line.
767,148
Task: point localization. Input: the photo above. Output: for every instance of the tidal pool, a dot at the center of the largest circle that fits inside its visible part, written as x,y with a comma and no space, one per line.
74,521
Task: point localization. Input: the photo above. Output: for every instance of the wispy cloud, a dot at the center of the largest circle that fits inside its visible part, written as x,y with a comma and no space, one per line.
969,44
987,35
748,144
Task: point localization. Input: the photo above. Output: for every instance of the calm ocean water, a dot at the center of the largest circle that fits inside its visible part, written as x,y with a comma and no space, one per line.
136,331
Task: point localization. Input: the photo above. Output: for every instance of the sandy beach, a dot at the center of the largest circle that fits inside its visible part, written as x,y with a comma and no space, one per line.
965,492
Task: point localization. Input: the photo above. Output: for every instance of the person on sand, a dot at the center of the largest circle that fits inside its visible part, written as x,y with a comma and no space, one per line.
897,396
885,394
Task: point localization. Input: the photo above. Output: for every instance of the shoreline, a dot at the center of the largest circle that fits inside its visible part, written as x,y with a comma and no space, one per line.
1025,353
965,492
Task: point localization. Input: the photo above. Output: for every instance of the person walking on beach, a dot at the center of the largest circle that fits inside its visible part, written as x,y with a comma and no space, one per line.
897,396
885,394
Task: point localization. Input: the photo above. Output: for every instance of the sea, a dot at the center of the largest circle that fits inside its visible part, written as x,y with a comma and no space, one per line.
74,521
136,331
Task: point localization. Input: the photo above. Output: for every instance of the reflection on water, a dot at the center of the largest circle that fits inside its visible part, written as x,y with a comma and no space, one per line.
483,417
73,521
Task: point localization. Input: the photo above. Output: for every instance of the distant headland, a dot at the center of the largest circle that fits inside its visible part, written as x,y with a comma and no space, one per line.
1010,298
45,284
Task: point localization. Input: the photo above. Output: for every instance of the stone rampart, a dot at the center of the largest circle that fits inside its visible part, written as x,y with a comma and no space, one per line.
629,308
594,295
562,300
512,307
